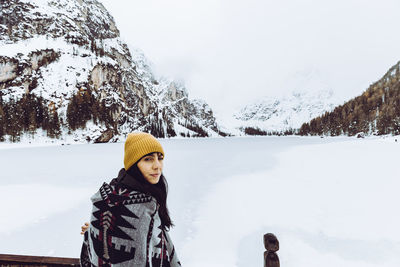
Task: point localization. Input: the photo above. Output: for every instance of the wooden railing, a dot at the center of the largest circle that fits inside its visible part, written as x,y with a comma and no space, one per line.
271,259
8,260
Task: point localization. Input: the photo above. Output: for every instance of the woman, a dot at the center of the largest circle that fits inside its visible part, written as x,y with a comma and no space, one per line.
130,218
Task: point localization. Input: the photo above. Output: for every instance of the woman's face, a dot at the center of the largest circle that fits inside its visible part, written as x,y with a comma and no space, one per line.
151,167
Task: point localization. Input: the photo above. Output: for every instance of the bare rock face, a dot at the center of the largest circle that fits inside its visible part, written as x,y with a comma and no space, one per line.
77,21
8,70
22,70
64,69
105,137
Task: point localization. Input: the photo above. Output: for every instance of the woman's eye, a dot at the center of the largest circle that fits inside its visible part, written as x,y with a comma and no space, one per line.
147,159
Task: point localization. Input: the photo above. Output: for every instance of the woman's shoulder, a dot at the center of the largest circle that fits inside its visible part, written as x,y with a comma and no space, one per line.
115,194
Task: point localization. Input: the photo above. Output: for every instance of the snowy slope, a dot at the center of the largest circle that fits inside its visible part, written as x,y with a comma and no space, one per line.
287,112
60,49
306,96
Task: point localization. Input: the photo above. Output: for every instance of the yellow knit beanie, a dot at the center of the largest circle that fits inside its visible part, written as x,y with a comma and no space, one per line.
139,144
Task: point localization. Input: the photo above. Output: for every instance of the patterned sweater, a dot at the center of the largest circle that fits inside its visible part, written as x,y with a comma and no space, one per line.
125,230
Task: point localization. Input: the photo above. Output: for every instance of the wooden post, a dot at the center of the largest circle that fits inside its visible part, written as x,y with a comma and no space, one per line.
271,244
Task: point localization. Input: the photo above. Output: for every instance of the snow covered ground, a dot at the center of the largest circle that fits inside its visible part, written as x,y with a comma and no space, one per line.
330,201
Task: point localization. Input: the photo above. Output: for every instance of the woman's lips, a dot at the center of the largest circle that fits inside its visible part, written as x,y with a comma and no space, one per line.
155,175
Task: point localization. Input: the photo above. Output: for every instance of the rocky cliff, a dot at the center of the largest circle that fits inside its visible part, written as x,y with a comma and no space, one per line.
66,74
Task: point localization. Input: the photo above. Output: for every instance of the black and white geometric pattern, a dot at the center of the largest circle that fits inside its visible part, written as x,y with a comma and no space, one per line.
125,230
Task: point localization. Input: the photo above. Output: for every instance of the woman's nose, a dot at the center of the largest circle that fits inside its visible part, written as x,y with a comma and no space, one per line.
157,164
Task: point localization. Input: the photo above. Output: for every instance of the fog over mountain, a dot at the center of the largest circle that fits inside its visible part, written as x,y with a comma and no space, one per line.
240,51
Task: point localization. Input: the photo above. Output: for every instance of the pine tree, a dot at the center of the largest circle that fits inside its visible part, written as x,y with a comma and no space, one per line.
2,121
54,129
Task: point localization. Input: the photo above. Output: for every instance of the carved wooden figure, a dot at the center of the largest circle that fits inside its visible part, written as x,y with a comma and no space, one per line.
271,244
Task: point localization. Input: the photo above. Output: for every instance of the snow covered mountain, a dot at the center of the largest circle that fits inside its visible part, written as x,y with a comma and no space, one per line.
285,113
66,74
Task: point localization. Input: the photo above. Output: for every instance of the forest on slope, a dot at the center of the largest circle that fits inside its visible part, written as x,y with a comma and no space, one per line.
376,111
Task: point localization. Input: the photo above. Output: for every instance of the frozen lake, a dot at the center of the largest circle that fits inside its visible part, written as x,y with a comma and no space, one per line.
330,201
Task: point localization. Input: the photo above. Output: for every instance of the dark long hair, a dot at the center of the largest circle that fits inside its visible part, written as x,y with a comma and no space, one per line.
159,191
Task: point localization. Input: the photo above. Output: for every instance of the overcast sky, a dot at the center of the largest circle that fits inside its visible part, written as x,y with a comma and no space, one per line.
231,52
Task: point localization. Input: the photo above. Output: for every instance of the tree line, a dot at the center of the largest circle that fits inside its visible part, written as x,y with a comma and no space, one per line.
84,106
26,115
31,112
376,111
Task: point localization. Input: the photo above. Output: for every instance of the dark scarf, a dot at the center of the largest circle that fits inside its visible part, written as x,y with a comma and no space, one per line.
133,179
